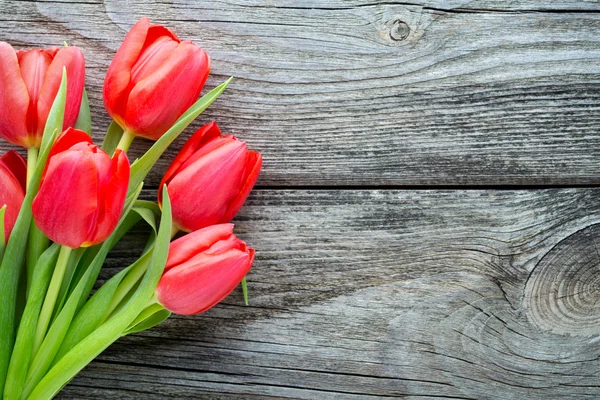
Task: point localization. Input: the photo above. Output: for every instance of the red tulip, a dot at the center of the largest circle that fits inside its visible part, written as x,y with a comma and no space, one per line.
153,79
13,173
210,179
29,82
82,192
202,269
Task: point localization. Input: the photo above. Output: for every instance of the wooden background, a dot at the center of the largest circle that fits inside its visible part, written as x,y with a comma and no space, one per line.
427,222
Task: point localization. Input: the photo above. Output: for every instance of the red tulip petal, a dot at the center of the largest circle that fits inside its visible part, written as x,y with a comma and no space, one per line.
65,141
152,57
14,99
194,287
157,31
11,195
114,180
232,242
189,245
157,101
203,135
66,203
34,64
118,75
253,166
201,191
17,165
72,59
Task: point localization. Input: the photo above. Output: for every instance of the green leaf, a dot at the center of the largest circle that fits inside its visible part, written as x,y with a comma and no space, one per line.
95,309
112,329
141,167
19,363
14,256
84,119
147,215
245,290
2,237
112,138
55,335
150,317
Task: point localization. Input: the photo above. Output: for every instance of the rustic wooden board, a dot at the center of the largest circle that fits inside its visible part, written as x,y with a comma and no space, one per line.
369,293
351,93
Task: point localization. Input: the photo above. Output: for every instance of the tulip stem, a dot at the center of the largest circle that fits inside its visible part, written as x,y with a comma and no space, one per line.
51,295
125,141
32,157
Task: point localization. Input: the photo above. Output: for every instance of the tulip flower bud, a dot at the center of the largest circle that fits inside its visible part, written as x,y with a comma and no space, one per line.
153,79
210,179
29,82
13,173
82,192
202,269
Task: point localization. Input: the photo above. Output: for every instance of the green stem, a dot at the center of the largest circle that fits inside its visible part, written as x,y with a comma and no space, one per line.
51,295
125,141
37,242
32,158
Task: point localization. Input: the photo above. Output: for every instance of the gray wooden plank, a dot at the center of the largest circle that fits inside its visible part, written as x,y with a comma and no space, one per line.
377,93
384,293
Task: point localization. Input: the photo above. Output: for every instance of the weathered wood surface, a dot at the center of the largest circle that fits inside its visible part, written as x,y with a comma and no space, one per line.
454,294
374,93
365,292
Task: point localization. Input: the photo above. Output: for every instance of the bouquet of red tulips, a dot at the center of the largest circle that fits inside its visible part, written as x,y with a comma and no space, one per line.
66,206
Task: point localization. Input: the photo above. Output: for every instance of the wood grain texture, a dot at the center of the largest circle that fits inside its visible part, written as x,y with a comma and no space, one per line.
383,293
355,92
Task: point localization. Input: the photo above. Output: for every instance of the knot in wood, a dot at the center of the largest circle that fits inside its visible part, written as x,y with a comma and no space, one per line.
562,292
399,30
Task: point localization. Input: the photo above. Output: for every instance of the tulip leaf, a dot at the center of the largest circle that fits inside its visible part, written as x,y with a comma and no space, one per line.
245,290
84,119
95,309
92,312
19,363
54,123
147,215
42,361
93,344
149,318
14,255
141,167
112,138
2,237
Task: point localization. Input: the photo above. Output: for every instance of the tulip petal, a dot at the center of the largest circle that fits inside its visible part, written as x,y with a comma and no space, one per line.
118,75
253,166
203,135
111,194
12,193
191,244
232,242
16,165
34,64
194,287
14,98
72,59
66,203
156,31
201,191
153,55
68,139
156,102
